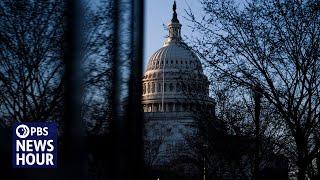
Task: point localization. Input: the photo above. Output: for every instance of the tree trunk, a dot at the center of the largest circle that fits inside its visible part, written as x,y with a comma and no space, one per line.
257,111
302,154
318,165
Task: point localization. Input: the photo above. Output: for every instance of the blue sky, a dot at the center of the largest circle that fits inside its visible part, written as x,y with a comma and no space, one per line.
159,12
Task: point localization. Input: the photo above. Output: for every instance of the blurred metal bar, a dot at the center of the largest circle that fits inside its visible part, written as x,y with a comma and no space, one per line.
115,156
127,126
72,156
135,114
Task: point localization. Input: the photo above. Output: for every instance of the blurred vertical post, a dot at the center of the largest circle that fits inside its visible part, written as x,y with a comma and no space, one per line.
73,156
135,114
115,157
127,126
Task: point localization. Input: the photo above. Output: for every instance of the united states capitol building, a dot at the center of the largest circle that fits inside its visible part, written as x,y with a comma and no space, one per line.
174,87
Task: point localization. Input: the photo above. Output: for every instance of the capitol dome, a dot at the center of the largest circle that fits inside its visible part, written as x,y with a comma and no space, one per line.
175,56
174,80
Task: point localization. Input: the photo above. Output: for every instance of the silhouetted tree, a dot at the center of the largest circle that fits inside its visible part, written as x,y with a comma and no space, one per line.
274,44
31,64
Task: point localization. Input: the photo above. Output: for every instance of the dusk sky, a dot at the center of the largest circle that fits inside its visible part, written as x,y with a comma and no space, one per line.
159,12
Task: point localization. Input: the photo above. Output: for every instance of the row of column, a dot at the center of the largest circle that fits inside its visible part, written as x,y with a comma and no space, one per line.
173,107
156,87
159,64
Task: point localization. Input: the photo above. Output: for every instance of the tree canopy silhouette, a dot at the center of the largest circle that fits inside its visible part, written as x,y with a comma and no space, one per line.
273,45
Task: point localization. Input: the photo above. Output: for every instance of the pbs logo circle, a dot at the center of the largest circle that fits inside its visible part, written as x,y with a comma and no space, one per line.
22,131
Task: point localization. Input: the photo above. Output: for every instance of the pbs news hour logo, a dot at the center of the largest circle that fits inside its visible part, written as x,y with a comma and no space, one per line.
34,145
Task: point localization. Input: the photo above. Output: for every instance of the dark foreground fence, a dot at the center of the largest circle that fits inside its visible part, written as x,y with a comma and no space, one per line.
117,154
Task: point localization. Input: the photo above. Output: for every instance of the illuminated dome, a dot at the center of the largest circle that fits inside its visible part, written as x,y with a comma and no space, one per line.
175,56
171,71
